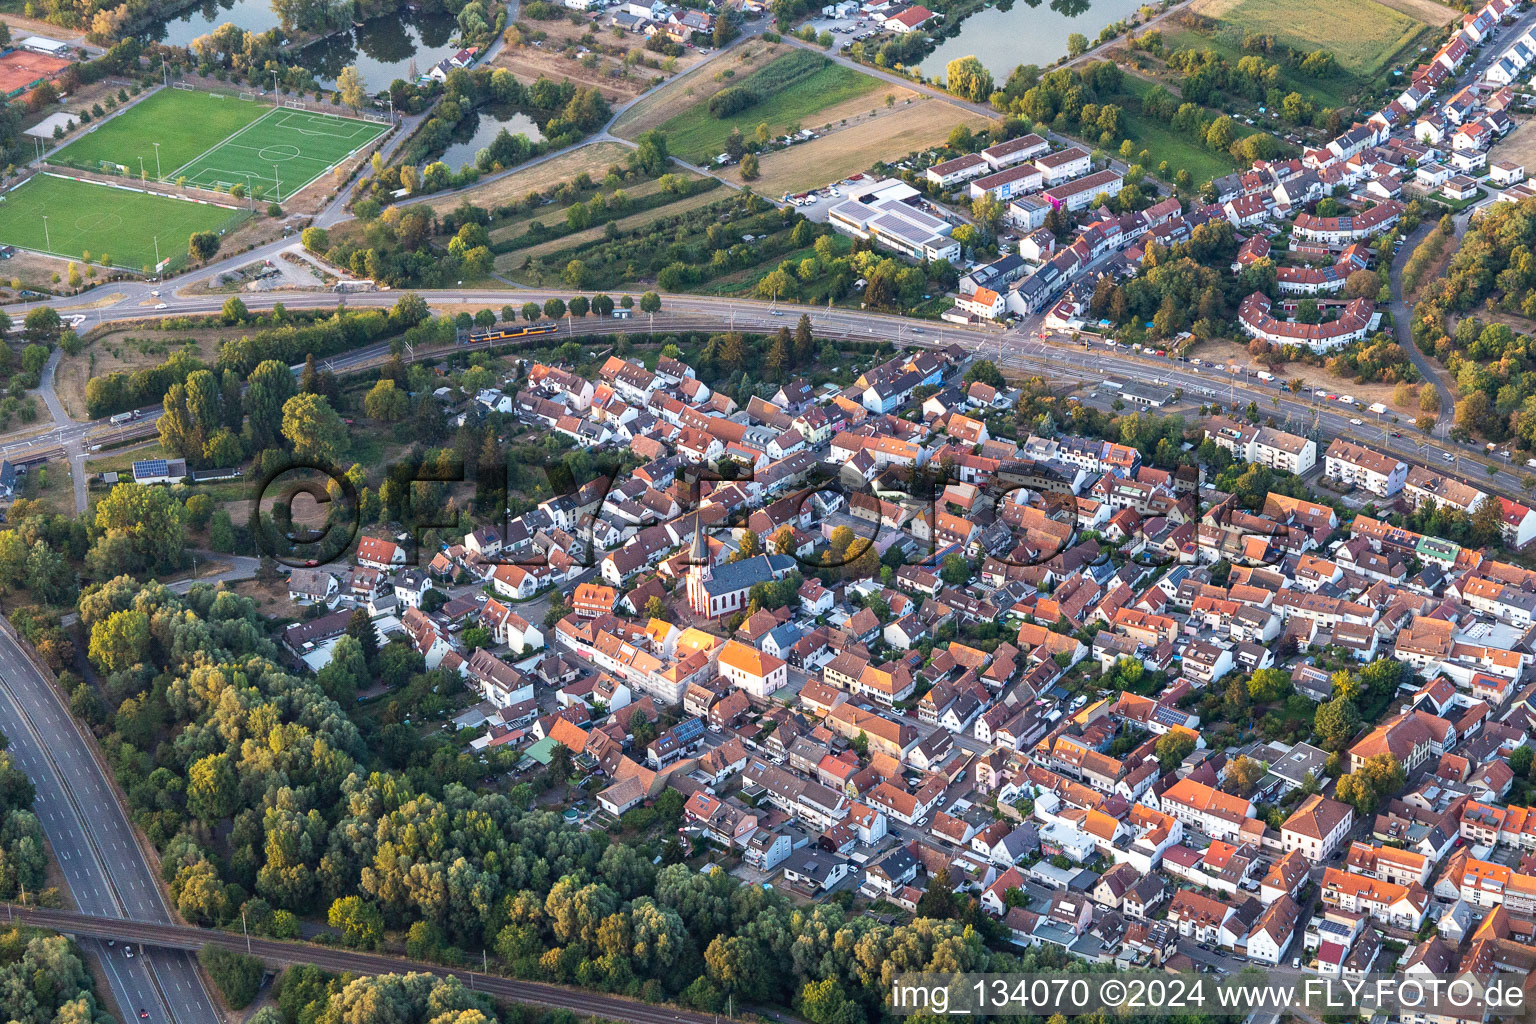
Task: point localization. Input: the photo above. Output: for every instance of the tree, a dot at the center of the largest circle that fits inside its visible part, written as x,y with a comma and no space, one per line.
986,371
42,325
120,641
237,975
1243,773
825,1002
221,532
969,79
554,308
270,386
1269,684
749,169
650,303
1172,747
1429,398
361,628
202,245
1336,721
1362,284
1377,777
141,529
313,428
561,762
386,402
361,924
1520,761
349,86
1077,45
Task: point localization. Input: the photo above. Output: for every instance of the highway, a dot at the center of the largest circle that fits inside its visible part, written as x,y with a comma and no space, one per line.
182,938
107,872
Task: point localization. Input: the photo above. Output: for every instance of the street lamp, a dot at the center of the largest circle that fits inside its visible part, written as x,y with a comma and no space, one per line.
143,175
159,175
47,242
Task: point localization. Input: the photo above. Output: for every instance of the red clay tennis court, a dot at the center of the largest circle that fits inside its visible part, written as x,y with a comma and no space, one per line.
20,70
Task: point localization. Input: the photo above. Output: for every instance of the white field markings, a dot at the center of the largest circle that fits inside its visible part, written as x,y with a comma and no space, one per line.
300,123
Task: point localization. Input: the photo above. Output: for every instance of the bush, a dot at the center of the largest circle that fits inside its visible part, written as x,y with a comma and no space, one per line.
237,975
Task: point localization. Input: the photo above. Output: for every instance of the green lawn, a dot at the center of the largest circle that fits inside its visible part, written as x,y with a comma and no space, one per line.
696,135
1164,143
67,217
1364,35
184,123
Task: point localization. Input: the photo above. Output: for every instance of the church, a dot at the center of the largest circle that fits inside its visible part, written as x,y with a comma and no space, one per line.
717,590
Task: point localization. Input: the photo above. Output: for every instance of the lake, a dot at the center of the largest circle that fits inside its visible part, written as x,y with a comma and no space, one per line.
1002,40
477,130
251,15
384,49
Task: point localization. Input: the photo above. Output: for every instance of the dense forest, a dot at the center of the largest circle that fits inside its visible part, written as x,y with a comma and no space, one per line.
1492,360
266,798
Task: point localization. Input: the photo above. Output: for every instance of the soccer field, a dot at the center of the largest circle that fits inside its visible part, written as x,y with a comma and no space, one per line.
280,153
214,141
183,123
114,225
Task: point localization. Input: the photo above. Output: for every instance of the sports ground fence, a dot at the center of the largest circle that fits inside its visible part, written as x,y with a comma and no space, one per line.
121,171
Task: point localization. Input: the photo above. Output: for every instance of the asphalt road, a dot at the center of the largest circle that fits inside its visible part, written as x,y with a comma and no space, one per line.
1020,350
167,937
106,871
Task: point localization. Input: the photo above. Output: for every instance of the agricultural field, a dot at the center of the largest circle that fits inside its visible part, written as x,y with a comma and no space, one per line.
513,262
686,90
1364,35
117,226
888,135
594,160
556,57
554,215
795,89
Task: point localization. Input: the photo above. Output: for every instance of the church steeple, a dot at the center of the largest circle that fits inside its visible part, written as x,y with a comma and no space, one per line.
699,555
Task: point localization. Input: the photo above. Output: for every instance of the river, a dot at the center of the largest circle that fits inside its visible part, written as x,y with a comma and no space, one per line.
1003,40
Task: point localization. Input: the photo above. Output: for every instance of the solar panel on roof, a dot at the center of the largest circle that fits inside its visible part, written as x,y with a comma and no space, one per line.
150,467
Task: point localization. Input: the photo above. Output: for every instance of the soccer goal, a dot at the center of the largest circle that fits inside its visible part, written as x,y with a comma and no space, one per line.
247,95
183,86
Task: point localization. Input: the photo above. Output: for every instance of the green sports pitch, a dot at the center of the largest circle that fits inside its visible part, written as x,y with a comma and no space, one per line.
280,153
125,228
274,151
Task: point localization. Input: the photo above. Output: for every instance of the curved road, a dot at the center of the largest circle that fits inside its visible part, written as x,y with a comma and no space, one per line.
1401,315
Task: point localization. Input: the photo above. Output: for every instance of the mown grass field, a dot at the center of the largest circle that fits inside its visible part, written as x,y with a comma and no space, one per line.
1364,35
118,226
185,124
697,135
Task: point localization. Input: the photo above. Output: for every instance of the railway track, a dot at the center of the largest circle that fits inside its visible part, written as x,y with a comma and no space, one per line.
185,937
